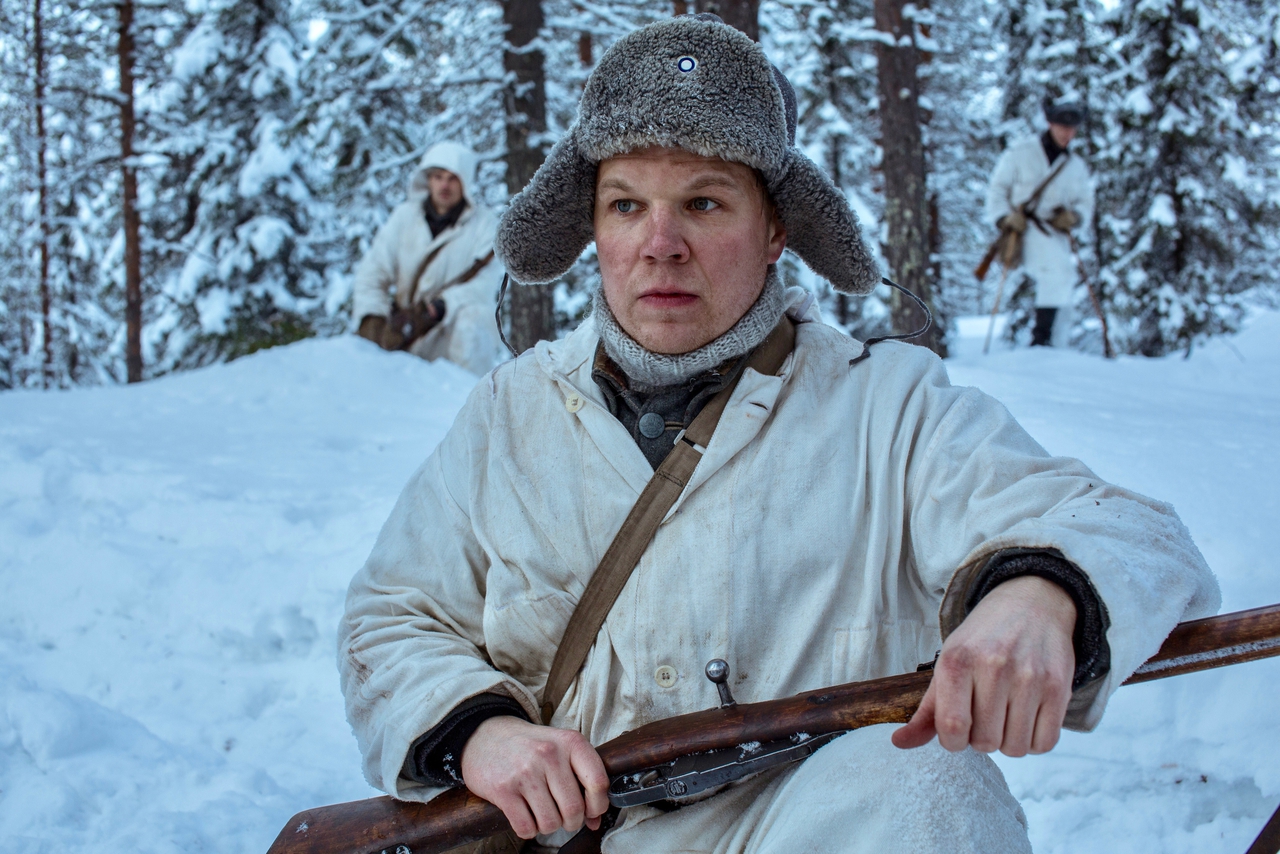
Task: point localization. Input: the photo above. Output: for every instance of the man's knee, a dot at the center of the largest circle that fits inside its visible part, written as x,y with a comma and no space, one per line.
862,794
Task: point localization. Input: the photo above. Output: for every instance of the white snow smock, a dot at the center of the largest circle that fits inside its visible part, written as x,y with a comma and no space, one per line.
1046,254
468,335
828,535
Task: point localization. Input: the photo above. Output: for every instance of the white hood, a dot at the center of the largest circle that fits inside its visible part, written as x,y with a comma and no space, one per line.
452,156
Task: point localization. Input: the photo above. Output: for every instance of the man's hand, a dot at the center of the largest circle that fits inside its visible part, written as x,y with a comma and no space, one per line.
372,327
1064,219
1003,679
405,326
1015,220
541,778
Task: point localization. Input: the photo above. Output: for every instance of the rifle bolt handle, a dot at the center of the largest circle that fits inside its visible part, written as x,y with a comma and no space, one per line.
718,673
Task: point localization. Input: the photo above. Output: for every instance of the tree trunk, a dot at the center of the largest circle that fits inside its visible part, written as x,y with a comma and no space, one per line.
132,248
532,306
46,301
906,206
740,14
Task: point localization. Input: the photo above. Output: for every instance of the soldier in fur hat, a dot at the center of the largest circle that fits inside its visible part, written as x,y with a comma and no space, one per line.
852,513
1063,209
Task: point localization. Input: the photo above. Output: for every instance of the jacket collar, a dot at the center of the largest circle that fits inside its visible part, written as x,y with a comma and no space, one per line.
568,364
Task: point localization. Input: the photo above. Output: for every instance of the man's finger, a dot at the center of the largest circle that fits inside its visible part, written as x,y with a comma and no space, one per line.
953,705
563,785
990,705
918,731
542,805
1048,728
518,816
1020,721
589,769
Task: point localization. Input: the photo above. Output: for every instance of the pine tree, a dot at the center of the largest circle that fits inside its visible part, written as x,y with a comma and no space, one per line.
1185,211
234,200
825,49
961,96
1048,53
379,84
72,341
1053,51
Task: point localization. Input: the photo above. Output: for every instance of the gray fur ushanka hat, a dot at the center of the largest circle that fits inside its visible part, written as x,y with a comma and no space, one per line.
700,85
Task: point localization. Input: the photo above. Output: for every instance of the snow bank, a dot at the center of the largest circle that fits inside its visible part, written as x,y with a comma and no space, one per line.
1190,764
174,557
173,564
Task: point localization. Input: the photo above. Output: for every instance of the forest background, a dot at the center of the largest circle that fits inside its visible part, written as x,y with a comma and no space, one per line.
184,182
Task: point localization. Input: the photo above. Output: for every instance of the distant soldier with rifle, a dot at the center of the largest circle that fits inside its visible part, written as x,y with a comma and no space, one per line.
1039,194
429,281
706,470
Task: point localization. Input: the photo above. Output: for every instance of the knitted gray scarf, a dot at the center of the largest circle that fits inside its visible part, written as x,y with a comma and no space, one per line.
648,370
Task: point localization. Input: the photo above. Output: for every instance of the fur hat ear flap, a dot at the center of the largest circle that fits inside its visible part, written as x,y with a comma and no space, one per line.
559,201
821,228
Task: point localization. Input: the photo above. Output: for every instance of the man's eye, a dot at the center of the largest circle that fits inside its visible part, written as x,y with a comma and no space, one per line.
703,205
624,206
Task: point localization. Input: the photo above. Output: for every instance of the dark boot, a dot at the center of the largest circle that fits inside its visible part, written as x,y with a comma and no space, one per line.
1043,331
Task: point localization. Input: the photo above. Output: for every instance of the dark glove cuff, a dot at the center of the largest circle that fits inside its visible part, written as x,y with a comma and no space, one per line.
435,759
440,307
1093,653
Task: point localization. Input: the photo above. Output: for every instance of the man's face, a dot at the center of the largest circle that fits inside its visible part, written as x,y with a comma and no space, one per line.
684,244
1062,134
445,189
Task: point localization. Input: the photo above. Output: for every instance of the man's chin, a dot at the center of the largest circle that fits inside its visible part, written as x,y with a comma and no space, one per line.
672,338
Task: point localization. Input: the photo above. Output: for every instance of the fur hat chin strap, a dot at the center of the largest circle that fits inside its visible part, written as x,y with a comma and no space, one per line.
702,86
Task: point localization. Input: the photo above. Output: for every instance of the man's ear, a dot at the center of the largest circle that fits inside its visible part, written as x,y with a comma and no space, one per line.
777,237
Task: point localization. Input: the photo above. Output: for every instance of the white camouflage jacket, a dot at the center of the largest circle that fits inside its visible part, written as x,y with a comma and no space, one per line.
1047,255
828,535
469,333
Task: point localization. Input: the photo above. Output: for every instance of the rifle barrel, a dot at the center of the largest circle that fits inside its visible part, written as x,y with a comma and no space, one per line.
457,817
1214,642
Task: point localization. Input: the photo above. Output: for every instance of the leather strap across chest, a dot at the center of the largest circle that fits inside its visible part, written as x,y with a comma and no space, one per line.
642,523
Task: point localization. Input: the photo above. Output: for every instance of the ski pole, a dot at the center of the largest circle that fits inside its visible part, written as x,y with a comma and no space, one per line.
995,309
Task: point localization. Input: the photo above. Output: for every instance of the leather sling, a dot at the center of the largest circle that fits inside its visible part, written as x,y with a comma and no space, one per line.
462,278
642,523
466,276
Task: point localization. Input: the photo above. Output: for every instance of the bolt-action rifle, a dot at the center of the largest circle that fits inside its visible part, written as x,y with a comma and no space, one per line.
693,752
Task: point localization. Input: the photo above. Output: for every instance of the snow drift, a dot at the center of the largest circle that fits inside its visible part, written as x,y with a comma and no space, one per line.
174,555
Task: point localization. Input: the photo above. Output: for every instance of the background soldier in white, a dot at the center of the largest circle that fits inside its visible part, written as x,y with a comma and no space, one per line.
429,282
1065,207
852,513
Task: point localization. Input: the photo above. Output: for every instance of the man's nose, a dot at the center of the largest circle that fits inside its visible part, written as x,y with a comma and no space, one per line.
665,241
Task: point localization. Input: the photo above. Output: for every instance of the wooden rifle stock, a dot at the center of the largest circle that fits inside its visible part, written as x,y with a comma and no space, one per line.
458,817
984,265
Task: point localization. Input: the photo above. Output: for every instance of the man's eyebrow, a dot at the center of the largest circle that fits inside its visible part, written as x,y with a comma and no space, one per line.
614,184
712,179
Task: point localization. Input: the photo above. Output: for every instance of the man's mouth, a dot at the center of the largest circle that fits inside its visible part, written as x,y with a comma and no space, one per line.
663,298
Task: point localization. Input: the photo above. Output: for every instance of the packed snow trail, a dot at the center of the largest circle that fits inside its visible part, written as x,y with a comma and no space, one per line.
174,555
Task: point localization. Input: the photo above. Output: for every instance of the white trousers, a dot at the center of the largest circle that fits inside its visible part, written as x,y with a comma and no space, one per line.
857,795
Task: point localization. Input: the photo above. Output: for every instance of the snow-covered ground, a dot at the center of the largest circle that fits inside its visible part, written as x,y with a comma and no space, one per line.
173,558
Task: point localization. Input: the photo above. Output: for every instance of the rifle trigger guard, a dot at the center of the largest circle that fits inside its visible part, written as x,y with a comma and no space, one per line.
699,772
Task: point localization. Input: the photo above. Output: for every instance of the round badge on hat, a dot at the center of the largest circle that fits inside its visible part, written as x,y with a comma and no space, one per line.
687,64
